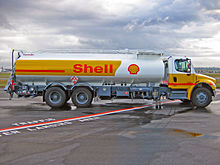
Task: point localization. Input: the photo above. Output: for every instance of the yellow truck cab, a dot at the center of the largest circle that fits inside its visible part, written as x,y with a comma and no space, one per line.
187,85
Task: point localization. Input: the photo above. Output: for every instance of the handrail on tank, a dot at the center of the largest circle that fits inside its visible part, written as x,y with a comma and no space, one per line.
126,51
98,51
149,53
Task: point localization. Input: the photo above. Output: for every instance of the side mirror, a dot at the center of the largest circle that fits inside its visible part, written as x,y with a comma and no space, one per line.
189,66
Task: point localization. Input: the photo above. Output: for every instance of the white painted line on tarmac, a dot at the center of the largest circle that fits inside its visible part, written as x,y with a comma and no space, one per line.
78,118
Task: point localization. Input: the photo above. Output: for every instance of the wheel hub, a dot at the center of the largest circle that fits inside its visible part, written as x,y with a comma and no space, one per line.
201,97
82,98
55,97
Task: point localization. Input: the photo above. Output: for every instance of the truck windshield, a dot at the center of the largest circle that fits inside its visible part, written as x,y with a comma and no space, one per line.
183,65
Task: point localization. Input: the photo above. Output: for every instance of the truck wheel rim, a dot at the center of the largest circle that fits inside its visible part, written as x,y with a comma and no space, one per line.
81,98
55,97
201,97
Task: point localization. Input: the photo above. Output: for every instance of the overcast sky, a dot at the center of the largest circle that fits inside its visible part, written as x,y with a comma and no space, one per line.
177,27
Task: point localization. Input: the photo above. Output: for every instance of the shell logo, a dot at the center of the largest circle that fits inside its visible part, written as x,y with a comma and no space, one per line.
133,69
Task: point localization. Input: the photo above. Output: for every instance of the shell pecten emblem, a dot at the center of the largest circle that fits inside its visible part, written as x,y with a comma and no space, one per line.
133,69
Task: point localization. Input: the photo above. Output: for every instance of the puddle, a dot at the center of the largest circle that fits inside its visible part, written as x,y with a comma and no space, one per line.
183,132
146,115
139,117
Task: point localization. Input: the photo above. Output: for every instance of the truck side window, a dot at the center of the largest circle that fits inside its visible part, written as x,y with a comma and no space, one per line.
183,65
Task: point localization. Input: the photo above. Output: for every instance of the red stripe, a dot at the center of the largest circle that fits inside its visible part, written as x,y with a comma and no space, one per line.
185,84
181,84
60,71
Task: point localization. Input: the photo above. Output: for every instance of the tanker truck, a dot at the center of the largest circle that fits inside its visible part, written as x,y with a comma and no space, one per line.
83,75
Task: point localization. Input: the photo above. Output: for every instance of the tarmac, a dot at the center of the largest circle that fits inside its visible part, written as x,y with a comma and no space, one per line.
123,132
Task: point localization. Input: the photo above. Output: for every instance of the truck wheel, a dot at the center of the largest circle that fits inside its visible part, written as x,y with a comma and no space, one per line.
201,97
55,97
81,97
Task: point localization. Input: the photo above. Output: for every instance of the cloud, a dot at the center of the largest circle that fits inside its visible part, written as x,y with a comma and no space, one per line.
210,5
174,26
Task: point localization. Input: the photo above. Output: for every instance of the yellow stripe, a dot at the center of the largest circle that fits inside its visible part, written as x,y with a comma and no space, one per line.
67,67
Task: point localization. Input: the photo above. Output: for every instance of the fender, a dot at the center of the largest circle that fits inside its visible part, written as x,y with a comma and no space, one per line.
55,84
82,85
202,83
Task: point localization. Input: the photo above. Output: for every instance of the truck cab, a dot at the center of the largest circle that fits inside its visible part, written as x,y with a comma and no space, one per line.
186,84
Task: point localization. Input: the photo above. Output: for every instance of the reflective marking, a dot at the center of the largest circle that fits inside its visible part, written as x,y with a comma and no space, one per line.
80,117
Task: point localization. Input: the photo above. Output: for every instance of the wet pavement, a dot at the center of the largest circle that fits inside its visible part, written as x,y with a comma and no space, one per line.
176,134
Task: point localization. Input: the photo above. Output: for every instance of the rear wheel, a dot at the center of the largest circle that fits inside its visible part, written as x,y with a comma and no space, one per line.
201,97
81,97
55,97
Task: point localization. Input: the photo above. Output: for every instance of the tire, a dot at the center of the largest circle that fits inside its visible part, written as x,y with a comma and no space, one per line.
201,97
82,97
55,97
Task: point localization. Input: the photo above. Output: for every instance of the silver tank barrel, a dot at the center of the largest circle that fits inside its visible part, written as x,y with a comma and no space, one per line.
134,67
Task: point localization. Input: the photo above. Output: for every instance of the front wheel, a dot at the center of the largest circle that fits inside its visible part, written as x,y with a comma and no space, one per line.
81,97
201,97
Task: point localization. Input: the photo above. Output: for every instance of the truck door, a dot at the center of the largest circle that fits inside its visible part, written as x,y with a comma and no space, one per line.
181,76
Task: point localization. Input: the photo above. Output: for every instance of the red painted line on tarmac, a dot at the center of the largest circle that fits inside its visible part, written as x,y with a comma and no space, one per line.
79,117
